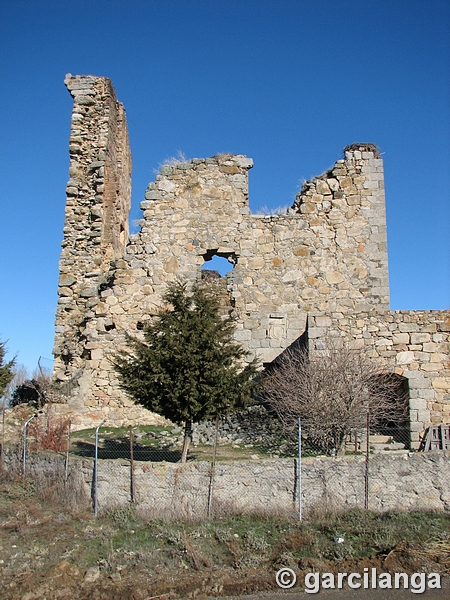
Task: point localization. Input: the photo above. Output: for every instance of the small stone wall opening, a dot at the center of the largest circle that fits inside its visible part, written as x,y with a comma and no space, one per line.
221,263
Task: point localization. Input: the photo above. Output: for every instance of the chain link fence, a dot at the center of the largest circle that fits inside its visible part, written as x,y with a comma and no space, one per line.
240,464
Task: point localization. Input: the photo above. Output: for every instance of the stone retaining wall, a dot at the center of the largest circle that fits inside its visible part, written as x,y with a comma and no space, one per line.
168,490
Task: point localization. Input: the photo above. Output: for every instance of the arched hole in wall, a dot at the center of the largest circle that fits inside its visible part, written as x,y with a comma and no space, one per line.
219,262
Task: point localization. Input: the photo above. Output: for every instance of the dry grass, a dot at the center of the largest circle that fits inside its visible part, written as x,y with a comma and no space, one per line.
48,550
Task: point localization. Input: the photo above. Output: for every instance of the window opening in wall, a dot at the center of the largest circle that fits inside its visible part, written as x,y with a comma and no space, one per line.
221,264
216,270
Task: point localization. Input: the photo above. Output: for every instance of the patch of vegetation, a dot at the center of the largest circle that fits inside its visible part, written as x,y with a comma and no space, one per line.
46,547
6,369
119,432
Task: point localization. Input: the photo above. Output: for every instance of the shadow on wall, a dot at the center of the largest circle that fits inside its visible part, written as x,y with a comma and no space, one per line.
396,428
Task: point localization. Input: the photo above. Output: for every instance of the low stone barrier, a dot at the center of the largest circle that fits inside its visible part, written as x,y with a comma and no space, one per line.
401,481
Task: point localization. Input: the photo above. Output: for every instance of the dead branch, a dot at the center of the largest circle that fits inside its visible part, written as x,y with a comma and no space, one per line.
332,391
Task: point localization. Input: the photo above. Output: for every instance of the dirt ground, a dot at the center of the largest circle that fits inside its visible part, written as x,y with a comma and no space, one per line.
65,580
49,552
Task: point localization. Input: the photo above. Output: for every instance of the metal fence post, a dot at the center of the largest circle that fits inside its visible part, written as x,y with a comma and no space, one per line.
366,470
96,469
24,456
66,465
131,466
212,471
299,469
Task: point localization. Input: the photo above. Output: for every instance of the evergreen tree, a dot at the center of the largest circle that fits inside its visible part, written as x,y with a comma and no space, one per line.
6,369
188,368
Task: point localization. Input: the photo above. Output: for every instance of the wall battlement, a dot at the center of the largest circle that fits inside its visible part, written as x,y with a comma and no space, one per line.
325,258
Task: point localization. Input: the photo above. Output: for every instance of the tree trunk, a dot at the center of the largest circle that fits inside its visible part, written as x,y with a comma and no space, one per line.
187,440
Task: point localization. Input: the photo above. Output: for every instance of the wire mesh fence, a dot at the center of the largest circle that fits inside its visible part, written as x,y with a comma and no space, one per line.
241,464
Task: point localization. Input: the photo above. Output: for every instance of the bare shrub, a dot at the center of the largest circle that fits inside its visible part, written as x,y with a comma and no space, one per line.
50,433
49,478
333,392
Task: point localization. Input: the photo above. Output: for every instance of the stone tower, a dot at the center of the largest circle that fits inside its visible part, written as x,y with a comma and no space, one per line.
96,215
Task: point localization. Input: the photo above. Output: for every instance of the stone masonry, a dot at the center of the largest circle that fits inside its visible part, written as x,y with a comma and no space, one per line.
321,268
410,481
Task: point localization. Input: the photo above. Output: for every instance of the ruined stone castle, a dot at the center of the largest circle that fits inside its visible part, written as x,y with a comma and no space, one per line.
319,269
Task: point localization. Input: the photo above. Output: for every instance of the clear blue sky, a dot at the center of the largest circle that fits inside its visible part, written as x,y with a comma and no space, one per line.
286,82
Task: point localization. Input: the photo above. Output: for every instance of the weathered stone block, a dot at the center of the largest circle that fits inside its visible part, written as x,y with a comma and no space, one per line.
441,383
400,338
323,321
356,344
256,263
426,394
419,338
408,327
301,251
404,358
334,277
419,383
418,404
316,332
439,357
430,347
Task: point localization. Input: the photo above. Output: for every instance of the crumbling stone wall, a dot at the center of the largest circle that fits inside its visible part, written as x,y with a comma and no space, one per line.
326,257
96,217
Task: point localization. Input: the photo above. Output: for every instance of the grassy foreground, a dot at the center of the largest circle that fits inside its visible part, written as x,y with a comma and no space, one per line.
47,551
